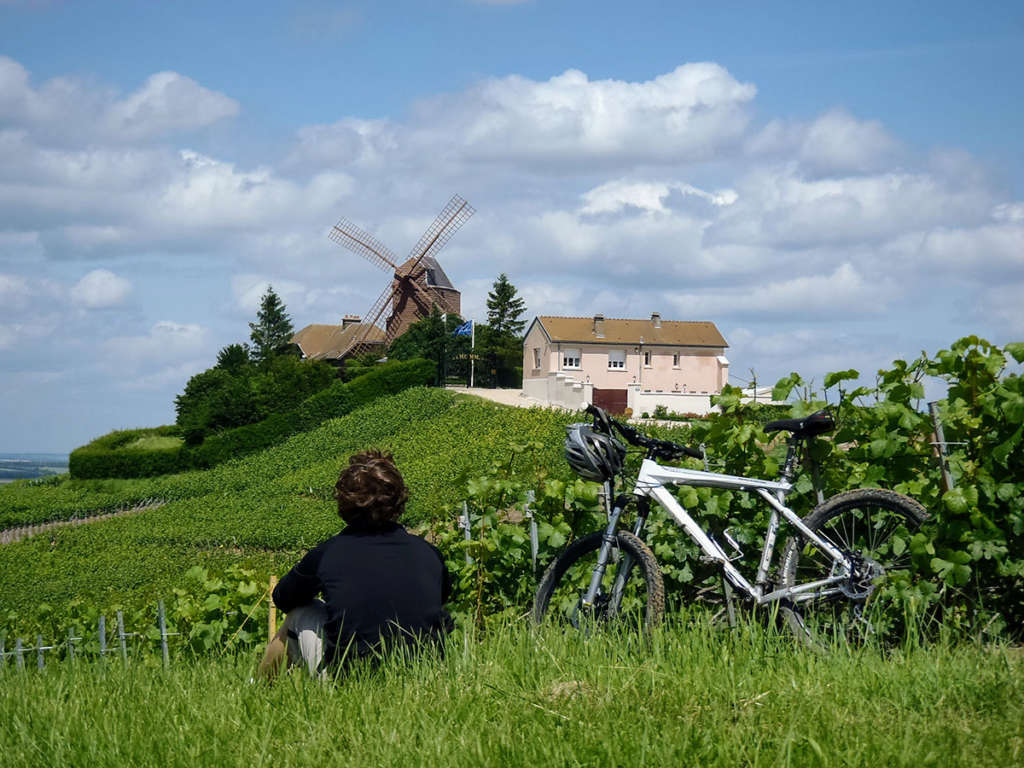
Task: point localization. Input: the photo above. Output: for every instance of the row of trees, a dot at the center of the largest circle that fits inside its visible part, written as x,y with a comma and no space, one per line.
252,380
494,350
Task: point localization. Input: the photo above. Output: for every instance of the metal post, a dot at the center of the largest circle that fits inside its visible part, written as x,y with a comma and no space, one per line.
71,643
464,522
472,346
940,438
161,617
103,635
534,540
121,637
19,654
39,651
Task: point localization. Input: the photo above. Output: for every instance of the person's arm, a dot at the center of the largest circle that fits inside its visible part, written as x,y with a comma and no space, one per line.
446,577
302,583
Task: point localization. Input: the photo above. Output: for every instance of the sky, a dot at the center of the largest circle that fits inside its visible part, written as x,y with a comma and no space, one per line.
834,185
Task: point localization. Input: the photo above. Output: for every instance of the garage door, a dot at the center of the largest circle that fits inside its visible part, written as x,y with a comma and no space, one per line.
612,400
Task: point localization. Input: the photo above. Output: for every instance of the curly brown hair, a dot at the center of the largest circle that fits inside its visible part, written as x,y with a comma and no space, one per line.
370,491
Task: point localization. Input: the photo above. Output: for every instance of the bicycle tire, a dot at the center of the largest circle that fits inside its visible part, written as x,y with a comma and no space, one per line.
569,575
865,521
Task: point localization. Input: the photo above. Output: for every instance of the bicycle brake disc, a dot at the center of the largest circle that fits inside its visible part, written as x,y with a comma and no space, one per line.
863,580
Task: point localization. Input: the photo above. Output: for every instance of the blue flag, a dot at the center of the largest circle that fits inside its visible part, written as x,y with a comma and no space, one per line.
465,329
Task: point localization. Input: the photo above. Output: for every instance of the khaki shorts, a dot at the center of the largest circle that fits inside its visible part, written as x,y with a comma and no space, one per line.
305,628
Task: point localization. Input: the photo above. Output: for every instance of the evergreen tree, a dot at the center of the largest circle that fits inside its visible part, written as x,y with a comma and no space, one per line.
433,338
504,308
233,357
272,331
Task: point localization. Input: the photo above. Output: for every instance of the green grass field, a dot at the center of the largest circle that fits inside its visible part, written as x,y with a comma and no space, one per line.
694,695
261,511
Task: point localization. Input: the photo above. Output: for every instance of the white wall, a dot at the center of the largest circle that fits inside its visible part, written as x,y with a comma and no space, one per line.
678,402
559,389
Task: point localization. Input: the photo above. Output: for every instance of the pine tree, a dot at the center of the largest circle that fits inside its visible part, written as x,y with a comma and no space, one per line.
504,308
272,330
233,357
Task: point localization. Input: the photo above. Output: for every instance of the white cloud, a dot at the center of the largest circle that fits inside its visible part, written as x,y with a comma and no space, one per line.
821,240
71,109
843,293
614,196
836,142
248,290
14,290
167,346
99,289
694,112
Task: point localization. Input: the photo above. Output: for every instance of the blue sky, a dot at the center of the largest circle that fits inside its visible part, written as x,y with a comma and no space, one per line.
833,186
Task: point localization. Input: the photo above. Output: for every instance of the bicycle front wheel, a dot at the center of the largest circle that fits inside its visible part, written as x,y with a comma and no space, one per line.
631,593
873,526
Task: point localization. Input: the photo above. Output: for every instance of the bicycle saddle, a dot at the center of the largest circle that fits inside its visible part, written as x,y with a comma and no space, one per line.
817,423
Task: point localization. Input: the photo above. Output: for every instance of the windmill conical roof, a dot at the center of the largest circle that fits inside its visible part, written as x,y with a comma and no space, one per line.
435,276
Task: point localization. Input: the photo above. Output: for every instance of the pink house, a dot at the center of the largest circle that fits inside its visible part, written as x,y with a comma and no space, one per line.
624,363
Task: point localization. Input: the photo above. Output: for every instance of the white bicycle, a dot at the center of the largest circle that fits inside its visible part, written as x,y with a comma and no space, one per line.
838,560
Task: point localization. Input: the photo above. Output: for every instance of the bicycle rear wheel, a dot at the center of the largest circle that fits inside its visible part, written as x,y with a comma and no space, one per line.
632,592
874,526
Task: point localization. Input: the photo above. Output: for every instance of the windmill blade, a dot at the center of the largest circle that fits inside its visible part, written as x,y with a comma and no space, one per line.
412,279
347,234
362,341
456,213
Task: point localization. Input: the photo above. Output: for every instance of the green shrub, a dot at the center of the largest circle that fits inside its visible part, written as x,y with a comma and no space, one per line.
337,400
123,453
113,456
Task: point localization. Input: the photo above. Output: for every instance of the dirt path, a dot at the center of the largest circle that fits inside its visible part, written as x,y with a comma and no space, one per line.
12,535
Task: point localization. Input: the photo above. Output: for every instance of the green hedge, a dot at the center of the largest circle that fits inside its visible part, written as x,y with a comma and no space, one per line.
107,457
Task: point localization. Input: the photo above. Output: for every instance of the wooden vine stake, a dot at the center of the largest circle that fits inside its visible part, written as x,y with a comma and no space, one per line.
272,611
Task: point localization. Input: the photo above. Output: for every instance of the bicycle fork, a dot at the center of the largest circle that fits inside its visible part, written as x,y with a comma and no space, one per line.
625,565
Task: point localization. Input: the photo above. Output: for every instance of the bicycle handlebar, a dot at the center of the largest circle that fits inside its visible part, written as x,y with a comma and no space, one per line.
662,449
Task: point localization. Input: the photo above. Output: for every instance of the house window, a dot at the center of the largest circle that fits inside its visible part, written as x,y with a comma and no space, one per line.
536,357
675,359
571,358
617,359
647,359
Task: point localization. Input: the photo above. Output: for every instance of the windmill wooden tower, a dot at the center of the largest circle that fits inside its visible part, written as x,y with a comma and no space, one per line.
417,284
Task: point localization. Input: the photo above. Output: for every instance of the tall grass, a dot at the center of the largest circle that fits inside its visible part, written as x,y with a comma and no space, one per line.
692,694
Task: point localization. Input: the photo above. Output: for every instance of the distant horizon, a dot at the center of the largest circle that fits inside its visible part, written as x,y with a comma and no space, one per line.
32,454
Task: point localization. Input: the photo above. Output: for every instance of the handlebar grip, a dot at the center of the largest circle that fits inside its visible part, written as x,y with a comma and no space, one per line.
693,453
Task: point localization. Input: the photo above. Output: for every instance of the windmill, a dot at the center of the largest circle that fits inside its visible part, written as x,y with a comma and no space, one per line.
417,284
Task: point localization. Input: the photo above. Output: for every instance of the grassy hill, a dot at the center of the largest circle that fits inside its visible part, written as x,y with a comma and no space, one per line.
260,511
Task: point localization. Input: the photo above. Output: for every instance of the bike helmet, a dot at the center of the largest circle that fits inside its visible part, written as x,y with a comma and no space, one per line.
593,455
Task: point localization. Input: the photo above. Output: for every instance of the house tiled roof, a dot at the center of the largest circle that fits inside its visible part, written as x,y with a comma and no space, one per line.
628,331
330,342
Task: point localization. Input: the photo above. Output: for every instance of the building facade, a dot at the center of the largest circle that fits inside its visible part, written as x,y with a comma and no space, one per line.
624,363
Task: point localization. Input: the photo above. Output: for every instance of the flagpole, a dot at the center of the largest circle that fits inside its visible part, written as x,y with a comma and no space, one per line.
472,346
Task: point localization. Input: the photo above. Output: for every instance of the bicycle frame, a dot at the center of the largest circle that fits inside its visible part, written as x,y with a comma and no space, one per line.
651,482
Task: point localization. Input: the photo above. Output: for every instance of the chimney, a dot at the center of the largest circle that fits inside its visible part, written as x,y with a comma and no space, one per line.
656,319
348,320
599,326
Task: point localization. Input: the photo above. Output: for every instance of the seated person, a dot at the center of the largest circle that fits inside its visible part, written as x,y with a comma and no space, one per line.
382,586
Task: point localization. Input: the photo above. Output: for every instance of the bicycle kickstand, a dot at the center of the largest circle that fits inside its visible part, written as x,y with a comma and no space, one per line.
730,608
